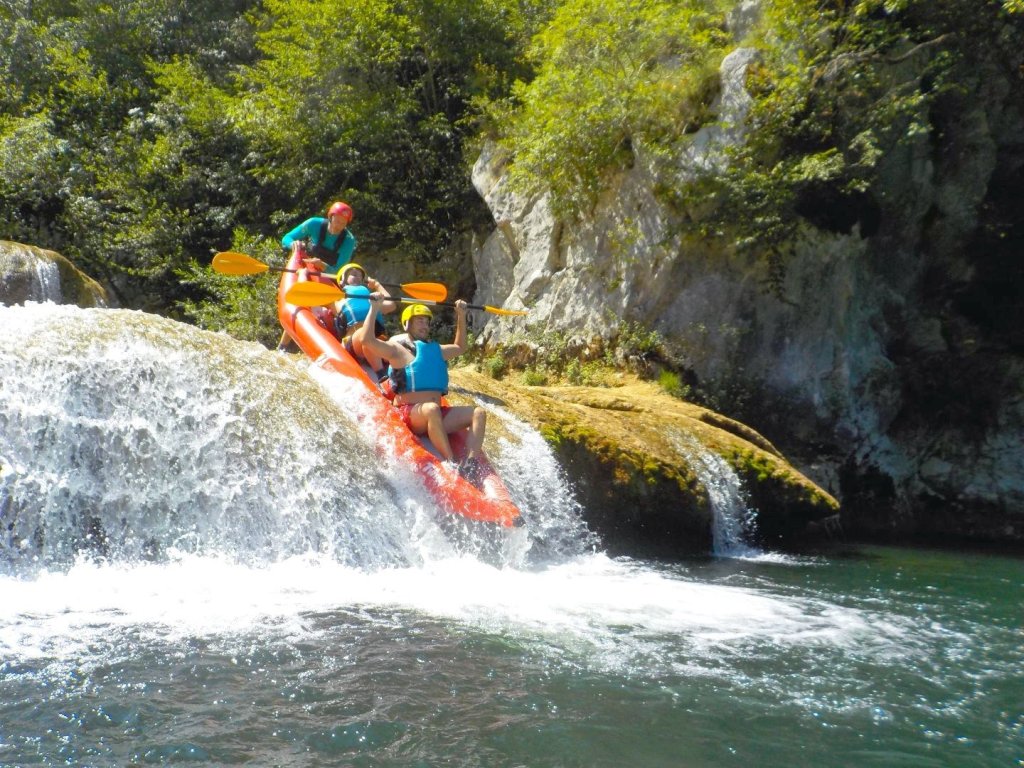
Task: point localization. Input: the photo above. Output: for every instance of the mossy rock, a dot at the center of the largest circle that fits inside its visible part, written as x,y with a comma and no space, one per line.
636,458
28,273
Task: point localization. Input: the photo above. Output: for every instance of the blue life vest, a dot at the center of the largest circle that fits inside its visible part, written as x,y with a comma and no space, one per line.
325,254
356,306
428,371
354,310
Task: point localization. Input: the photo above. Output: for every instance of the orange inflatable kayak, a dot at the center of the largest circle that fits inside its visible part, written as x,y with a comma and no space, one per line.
490,502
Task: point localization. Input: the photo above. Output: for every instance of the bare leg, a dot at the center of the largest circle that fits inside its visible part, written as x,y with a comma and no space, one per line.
426,417
372,358
470,416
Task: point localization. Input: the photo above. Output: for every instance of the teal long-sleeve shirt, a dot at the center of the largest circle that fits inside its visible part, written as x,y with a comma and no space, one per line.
310,229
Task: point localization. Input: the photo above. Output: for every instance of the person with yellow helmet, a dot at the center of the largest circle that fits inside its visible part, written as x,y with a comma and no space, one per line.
419,377
351,311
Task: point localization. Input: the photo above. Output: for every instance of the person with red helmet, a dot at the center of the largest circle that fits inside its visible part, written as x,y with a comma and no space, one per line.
330,243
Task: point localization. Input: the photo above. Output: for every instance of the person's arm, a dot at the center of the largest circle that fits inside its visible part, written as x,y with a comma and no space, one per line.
299,233
458,346
394,354
376,287
306,230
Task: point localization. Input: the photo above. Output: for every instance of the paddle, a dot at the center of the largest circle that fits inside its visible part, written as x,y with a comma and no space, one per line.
234,263
310,294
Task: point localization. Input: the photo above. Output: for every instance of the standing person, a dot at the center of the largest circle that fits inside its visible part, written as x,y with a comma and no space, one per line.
331,245
419,377
351,312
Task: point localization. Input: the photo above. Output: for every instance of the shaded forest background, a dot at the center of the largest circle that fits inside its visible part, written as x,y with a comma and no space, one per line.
138,137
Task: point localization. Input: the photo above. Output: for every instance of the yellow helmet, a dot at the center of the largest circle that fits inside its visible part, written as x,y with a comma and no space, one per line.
346,269
412,311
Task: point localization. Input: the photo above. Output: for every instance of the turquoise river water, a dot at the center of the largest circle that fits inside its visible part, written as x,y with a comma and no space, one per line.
182,584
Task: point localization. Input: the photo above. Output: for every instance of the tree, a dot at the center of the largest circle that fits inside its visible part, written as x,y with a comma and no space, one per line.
609,75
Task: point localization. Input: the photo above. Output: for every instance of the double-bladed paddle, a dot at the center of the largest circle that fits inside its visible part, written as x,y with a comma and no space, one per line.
313,294
234,263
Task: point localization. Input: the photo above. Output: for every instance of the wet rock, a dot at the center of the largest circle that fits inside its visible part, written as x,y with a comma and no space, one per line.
28,273
636,458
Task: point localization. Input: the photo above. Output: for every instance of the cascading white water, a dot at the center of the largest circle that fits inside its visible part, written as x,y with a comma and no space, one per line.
534,477
25,272
48,281
128,435
733,521
202,558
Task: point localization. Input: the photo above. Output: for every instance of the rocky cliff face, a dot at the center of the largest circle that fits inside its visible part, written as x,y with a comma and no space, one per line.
890,364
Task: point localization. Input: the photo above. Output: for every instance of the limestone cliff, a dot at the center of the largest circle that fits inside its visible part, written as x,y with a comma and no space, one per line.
889,365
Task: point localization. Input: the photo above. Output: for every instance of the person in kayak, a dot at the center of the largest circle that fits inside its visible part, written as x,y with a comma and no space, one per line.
329,243
419,376
351,311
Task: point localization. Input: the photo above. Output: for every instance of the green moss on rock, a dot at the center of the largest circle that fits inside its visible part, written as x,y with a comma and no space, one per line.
20,278
76,286
634,455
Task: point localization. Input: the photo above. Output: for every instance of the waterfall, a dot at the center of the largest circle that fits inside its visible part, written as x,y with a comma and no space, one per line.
733,521
128,436
28,275
533,475
47,287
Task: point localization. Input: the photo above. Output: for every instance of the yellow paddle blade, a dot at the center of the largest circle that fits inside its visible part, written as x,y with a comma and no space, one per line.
500,311
234,263
425,291
312,294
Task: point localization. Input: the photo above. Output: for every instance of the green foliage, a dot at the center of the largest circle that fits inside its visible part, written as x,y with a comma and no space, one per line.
546,357
120,184
34,162
592,373
839,87
534,378
672,383
136,135
374,109
610,75
494,366
633,340
243,308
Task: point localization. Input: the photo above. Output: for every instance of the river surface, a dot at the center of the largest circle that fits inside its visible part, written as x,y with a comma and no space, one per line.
881,657
182,584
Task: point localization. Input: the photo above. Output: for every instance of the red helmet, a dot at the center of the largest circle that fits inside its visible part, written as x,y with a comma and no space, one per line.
343,208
